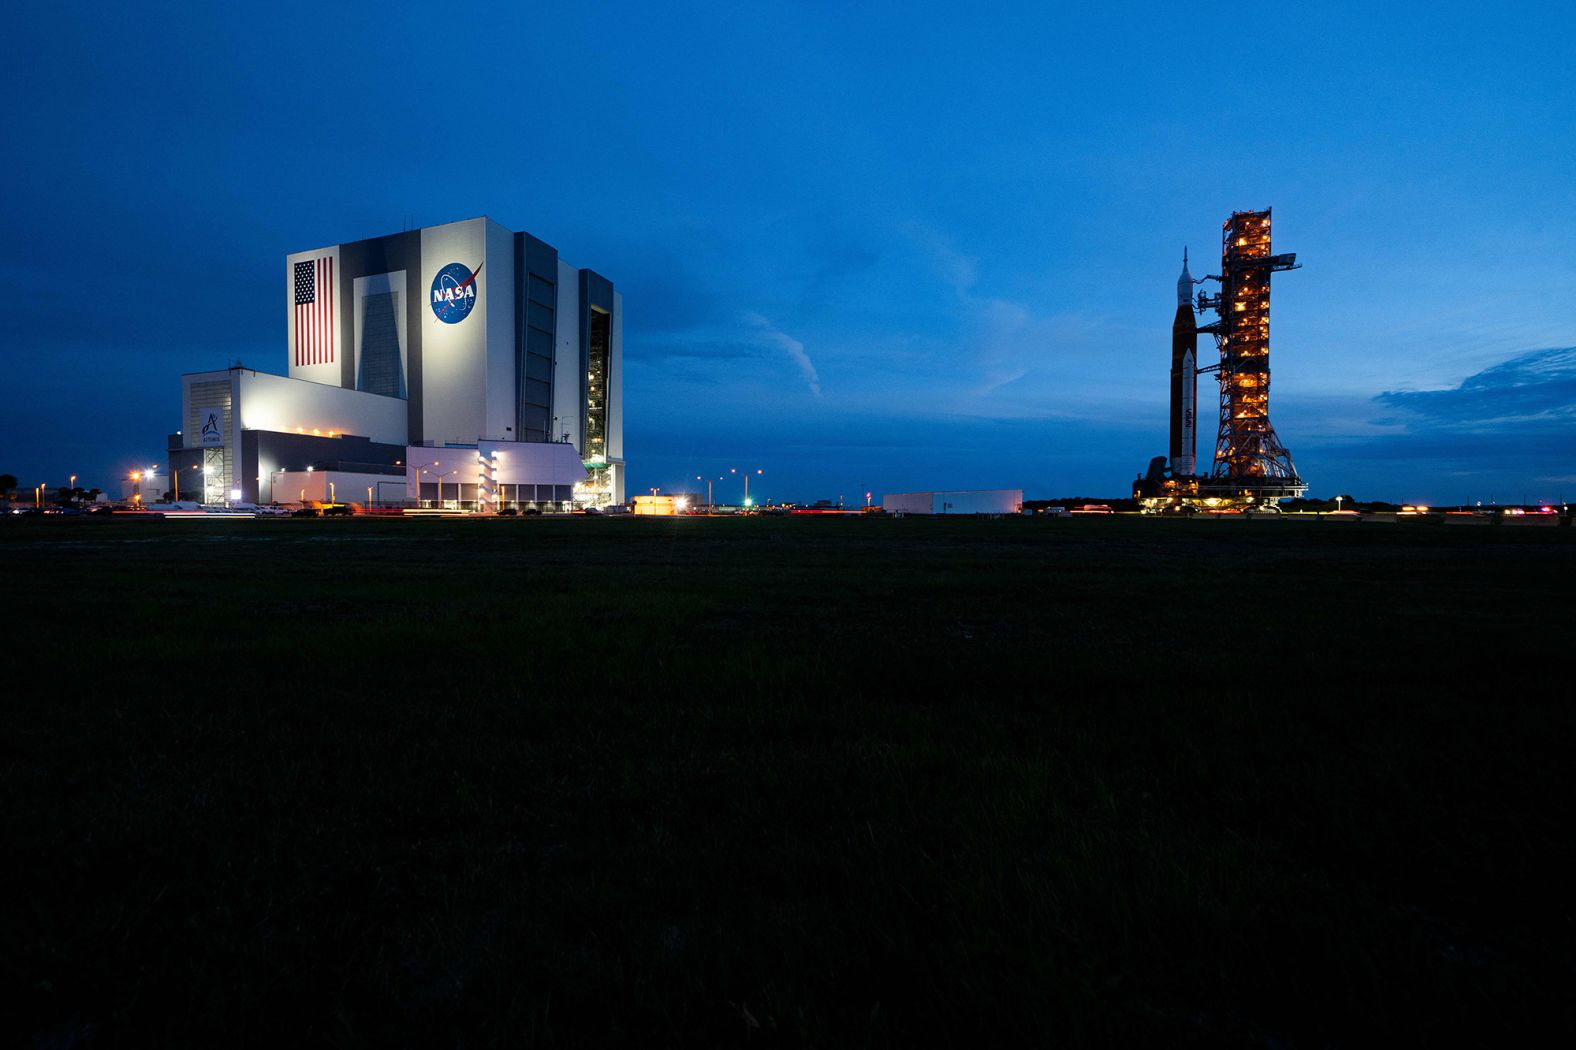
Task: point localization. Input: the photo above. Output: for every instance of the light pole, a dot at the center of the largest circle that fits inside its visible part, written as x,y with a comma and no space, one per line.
440,477
708,489
369,497
1338,503
735,470
331,500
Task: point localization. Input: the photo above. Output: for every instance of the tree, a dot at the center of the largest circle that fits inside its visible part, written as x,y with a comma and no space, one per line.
7,484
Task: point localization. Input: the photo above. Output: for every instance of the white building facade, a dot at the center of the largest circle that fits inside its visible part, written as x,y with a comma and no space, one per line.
454,336
498,475
974,501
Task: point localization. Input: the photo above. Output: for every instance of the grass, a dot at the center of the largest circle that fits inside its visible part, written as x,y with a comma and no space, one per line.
785,782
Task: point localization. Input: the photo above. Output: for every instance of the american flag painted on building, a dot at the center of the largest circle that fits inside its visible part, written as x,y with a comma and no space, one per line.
314,311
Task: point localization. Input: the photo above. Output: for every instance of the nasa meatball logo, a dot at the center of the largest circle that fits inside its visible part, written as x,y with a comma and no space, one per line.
454,292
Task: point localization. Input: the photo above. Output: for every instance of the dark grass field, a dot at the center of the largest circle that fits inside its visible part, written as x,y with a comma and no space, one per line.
786,782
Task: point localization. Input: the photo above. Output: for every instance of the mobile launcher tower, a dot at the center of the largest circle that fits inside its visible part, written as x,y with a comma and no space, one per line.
1251,467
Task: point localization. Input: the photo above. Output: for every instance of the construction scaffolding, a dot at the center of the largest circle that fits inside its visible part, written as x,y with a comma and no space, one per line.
1251,467
1250,461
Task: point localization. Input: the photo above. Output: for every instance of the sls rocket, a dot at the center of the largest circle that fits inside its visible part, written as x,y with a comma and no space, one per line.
1184,379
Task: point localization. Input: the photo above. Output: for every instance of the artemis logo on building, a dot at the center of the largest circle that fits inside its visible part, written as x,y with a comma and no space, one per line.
454,293
210,434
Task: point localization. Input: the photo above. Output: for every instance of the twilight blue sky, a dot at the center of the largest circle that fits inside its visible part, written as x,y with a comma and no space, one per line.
884,245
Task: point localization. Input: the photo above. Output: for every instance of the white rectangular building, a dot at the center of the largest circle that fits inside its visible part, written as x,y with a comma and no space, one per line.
972,501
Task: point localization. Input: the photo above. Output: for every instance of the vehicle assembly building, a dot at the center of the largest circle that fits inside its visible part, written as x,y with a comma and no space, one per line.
1250,466
465,352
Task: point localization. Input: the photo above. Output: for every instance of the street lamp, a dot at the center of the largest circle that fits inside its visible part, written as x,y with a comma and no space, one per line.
735,470
708,489
440,476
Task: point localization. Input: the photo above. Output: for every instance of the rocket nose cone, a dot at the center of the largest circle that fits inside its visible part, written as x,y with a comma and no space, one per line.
1184,283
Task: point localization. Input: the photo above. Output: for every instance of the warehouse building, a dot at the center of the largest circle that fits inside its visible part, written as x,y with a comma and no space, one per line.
976,501
466,336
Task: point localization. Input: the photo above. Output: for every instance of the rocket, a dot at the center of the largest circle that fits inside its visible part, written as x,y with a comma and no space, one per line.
1184,379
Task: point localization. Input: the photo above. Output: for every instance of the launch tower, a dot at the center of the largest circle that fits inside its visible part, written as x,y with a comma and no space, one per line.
1251,467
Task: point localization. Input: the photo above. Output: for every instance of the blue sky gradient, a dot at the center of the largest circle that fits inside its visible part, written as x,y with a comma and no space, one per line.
895,247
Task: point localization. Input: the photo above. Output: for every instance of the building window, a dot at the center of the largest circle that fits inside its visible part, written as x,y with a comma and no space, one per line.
598,345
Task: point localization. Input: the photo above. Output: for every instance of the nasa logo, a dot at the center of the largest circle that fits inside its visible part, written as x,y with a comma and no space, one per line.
454,293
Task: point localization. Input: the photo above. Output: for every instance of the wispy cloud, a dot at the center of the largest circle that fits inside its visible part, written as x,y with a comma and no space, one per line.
960,271
775,336
1019,354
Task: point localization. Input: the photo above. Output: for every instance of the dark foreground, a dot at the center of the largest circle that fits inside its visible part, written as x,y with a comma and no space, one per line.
755,782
